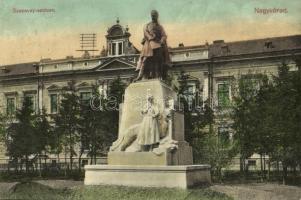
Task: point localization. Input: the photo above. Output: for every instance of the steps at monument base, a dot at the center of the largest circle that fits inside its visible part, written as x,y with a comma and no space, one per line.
180,176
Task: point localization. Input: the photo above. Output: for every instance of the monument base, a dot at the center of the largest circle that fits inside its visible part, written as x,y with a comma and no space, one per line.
181,156
181,176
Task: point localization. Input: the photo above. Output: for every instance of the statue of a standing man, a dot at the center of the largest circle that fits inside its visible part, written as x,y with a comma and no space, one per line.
154,58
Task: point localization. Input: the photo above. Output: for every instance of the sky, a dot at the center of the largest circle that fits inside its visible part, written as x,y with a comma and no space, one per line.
26,37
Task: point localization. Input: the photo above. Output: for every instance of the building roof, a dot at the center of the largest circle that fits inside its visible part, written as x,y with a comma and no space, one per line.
221,48
218,48
70,59
185,48
18,69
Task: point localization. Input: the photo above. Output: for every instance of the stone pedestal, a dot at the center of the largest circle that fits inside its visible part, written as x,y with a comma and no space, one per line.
135,98
181,176
182,156
169,164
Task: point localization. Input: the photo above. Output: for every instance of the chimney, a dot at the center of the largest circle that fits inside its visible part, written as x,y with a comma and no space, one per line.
86,54
269,44
36,66
225,49
69,57
218,41
45,60
4,70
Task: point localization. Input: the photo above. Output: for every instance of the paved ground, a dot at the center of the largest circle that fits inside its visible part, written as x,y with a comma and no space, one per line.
260,191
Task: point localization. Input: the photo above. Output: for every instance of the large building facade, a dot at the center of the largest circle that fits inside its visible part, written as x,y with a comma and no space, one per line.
210,67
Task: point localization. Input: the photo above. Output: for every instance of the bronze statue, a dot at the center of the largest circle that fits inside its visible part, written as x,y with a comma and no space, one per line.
154,57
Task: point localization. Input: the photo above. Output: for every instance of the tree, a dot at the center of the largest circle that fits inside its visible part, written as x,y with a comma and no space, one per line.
98,128
244,120
216,151
296,79
186,103
21,134
3,130
43,136
91,127
296,82
207,145
203,121
263,122
267,119
197,116
115,98
3,124
286,117
66,121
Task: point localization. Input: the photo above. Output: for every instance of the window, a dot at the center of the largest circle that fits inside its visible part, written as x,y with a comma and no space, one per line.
53,103
103,90
85,97
189,94
223,134
31,100
251,83
120,48
223,93
191,89
252,162
116,48
113,48
11,106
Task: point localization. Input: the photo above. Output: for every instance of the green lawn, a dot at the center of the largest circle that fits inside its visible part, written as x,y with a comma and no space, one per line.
33,191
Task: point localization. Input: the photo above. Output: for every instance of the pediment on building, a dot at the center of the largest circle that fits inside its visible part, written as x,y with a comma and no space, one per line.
83,85
116,64
53,87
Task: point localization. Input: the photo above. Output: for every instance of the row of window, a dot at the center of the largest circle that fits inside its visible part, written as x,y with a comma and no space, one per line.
251,85
54,102
223,98
11,104
223,94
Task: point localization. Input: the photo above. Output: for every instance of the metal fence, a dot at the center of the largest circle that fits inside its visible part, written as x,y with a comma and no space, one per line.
50,164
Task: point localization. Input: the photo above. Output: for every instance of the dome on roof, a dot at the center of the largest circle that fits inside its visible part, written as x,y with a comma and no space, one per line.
117,31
